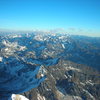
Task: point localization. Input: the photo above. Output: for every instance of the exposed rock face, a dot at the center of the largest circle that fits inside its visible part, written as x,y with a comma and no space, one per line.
68,81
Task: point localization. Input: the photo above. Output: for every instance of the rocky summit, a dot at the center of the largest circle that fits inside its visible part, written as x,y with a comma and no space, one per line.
64,67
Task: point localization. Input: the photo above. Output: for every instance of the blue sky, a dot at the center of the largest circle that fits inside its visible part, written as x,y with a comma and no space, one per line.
72,16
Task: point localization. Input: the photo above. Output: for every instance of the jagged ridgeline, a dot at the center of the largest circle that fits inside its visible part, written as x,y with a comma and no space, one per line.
49,66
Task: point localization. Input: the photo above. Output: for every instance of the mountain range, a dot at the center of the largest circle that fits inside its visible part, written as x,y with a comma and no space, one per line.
70,62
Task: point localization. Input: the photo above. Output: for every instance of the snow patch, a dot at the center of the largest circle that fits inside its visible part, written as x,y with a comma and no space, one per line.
65,76
89,82
39,38
82,83
77,98
72,68
39,97
91,96
18,97
63,46
1,59
15,36
22,48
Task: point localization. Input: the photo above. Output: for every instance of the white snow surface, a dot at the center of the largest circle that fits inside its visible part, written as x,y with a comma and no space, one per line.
1,59
18,97
90,82
39,37
39,97
72,68
63,46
